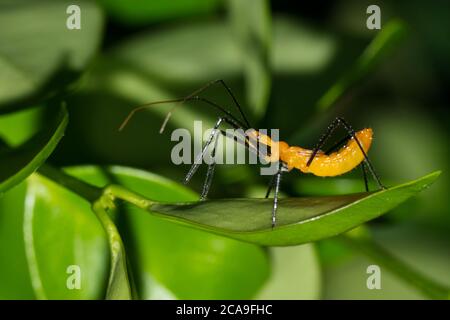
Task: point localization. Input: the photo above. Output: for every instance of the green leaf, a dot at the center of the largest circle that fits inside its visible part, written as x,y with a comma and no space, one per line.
316,186
179,55
136,12
14,275
300,49
299,220
387,39
251,20
38,53
17,127
213,267
18,164
63,240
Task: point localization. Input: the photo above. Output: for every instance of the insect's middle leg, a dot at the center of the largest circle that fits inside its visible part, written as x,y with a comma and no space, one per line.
275,196
275,182
270,187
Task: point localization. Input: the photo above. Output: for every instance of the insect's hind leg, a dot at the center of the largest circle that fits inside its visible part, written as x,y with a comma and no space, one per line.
362,165
340,121
364,172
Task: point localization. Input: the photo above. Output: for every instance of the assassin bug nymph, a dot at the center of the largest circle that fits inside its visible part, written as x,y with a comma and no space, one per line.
346,155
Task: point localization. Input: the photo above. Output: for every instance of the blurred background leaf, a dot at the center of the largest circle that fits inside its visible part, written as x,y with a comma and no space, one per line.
17,127
380,46
14,273
301,261
32,69
346,278
17,164
139,12
60,230
251,21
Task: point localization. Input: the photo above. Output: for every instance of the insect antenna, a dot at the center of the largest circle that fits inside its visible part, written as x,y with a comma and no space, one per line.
237,122
194,96
230,93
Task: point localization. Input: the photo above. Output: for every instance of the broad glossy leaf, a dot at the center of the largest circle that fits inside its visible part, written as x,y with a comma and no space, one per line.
65,243
299,48
17,127
14,275
17,164
299,220
38,53
212,266
180,55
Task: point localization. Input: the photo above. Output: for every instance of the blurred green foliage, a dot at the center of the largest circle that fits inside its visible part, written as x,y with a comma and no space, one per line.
283,63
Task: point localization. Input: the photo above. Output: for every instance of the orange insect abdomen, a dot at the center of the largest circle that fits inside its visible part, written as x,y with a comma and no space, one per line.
334,164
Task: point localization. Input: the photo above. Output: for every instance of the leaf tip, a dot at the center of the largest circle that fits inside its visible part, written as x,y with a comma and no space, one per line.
429,179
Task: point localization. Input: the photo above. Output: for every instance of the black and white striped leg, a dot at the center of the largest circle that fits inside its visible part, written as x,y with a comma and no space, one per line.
275,196
210,172
275,182
199,158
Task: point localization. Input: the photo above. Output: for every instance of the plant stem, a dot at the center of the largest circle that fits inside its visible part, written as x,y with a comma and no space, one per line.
119,192
83,189
118,284
371,249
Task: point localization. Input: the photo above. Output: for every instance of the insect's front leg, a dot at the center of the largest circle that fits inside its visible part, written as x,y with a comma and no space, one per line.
213,137
198,160
210,172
